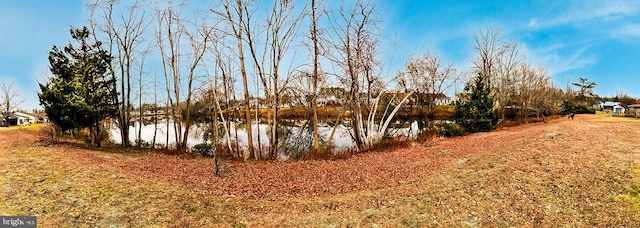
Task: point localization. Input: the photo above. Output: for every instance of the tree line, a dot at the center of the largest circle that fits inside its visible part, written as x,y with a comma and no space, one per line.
187,61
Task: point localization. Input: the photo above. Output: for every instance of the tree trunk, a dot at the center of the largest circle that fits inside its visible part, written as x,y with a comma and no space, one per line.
155,114
124,123
238,34
140,108
333,131
314,103
166,115
259,151
92,135
98,135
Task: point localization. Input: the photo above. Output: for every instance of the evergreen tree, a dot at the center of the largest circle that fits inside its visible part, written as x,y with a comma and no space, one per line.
81,92
476,113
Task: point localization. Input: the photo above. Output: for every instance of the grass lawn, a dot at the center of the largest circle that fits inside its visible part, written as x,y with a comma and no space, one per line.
583,172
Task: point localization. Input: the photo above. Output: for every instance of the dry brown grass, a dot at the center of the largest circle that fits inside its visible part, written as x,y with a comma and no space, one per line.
563,173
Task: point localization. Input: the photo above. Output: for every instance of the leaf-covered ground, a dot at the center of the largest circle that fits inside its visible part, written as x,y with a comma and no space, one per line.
583,172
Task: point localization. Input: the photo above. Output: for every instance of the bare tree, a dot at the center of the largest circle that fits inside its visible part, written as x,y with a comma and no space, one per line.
180,65
489,49
546,98
283,26
10,99
506,77
353,40
234,15
525,77
504,68
268,45
168,41
260,66
514,83
225,50
155,111
142,106
223,72
429,79
198,40
209,97
124,32
314,85
225,124
535,93
267,38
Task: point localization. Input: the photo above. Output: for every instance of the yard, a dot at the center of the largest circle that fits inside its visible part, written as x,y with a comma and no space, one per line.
583,172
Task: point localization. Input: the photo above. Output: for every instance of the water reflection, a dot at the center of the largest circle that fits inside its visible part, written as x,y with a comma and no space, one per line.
295,136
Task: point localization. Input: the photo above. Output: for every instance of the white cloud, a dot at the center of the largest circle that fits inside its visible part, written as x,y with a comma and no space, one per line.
584,11
626,31
561,57
533,22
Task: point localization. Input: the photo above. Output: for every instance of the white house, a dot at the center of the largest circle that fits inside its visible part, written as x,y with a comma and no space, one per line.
327,100
24,118
614,107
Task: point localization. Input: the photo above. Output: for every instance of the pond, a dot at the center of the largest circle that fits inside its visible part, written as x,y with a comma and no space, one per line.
294,134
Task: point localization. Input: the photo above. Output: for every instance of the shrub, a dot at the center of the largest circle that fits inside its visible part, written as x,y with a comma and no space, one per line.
571,107
142,143
450,129
203,149
427,134
52,131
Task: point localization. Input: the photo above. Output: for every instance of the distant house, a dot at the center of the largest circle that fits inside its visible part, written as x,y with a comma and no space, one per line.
442,99
634,110
437,98
25,118
18,118
610,106
9,120
324,100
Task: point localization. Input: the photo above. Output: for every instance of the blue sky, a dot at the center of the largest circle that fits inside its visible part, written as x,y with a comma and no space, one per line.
573,38
598,40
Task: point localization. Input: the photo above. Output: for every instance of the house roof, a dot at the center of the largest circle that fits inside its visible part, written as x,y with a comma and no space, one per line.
24,115
634,106
610,104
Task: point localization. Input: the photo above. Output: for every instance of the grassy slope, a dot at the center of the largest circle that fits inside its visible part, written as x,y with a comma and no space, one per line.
575,173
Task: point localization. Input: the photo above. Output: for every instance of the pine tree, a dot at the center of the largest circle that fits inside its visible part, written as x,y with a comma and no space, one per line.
476,112
81,92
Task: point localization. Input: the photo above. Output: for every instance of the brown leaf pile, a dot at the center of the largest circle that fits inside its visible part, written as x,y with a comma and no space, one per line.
371,170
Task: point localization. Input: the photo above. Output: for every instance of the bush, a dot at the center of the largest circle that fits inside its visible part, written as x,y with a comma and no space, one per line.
142,143
450,129
571,107
52,131
104,135
203,149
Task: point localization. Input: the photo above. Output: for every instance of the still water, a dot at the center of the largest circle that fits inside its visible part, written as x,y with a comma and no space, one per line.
294,134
